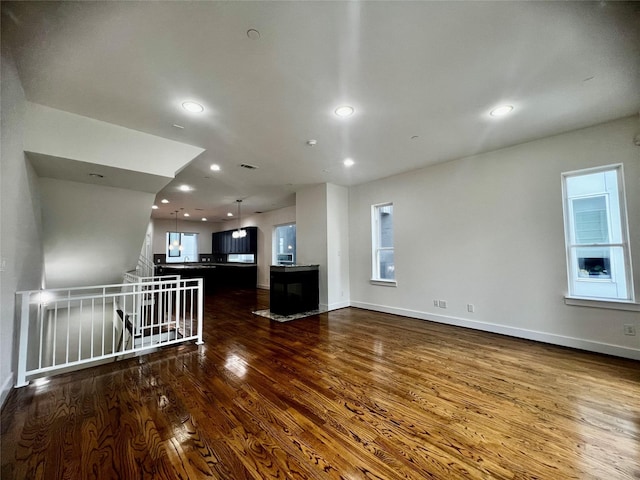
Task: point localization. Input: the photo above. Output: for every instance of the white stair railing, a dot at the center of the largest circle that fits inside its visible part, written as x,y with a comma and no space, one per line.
61,329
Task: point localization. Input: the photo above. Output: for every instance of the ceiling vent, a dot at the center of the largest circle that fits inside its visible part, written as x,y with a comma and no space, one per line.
248,167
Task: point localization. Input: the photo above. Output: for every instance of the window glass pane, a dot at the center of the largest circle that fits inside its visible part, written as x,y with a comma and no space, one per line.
594,262
590,220
284,245
386,226
387,266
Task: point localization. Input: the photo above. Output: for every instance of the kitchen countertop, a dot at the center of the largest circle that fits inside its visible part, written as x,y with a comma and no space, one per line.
195,266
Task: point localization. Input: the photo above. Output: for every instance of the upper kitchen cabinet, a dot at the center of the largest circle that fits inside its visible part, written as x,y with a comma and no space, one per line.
224,243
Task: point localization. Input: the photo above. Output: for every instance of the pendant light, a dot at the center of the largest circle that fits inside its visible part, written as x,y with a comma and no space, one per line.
240,232
176,242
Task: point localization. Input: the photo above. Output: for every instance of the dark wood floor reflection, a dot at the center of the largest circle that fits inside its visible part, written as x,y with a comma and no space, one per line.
350,394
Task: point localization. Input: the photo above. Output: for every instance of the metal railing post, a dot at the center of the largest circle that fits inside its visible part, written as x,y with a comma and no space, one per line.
200,311
21,381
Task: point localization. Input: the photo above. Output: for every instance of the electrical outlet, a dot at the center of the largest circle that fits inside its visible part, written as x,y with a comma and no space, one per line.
470,308
442,303
435,303
630,329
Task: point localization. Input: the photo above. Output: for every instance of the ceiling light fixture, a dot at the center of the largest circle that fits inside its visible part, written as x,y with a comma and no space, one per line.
96,175
186,214
312,142
348,162
204,219
229,214
344,111
240,232
501,111
185,188
193,107
154,207
164,200
215,167
174,238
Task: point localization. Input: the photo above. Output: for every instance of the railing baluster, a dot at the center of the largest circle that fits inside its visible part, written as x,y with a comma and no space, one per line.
68,327
55,333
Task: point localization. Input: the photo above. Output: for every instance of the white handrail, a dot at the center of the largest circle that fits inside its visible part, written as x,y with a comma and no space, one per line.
124,319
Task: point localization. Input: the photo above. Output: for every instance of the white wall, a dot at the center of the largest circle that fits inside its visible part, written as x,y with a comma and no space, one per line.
92,234
311,233
67,135
20,230
488,230
337,247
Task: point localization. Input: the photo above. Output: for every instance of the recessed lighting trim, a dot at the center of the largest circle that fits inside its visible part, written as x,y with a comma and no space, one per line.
185,188
215,167
501,111
164,200
204,219
344,111
96,175
154,207
178,126
229,214
192,107
348,162
187,215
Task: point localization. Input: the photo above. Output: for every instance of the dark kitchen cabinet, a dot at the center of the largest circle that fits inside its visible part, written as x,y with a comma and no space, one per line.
224,243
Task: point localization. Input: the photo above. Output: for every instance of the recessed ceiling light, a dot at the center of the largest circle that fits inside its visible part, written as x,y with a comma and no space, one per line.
348,162
193,107
96,175
184,188
178,126
312,142
501,111
186,215
204,219
344,111
229,214
215,167
164,200
253,34
154,207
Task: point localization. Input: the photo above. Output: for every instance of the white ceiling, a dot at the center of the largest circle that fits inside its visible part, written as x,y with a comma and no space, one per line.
426,69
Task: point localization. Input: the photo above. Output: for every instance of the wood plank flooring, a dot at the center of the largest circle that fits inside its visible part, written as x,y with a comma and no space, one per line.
349,394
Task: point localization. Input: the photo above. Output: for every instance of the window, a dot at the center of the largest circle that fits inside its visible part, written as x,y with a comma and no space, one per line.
383,265
181,247
284,245
596,234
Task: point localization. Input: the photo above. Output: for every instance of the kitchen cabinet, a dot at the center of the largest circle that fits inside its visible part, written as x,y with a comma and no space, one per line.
224,243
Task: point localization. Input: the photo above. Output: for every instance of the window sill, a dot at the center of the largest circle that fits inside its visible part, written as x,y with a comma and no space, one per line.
608,304
384,283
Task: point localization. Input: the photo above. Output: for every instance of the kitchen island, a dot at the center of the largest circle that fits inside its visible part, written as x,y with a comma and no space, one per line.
294,289
215,275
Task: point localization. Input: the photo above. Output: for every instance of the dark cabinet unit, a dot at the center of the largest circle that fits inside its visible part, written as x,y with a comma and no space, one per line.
216,276
224,243
293,289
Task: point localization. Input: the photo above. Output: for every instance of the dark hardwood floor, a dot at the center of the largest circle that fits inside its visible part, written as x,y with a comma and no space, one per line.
350,394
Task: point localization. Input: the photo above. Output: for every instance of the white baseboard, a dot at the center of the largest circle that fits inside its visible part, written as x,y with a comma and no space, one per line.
579,343
338,305
6,388
264,286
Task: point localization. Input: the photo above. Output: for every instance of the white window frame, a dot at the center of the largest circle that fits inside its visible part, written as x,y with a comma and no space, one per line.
376,248
572,276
